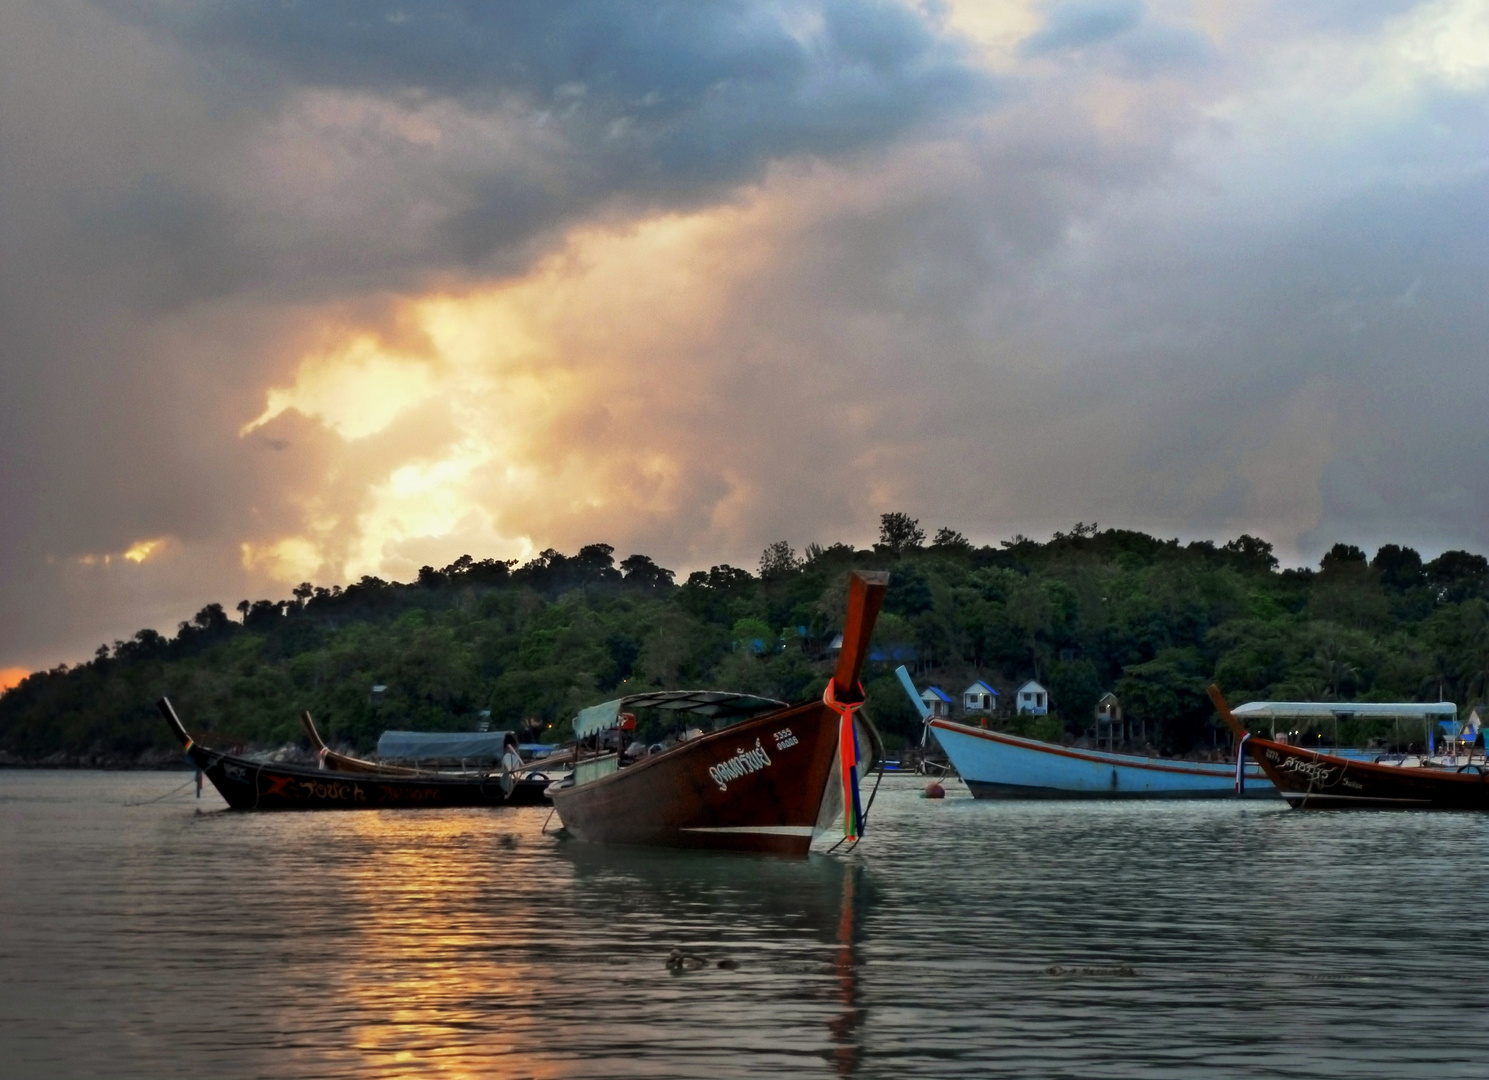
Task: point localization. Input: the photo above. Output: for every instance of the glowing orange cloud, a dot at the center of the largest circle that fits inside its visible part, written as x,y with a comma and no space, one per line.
11,676
527,407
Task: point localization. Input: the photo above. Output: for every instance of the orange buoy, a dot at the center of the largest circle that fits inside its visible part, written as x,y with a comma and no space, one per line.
934,790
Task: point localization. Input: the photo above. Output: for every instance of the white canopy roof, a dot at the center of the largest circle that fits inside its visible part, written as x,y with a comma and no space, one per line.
1320,710
700,702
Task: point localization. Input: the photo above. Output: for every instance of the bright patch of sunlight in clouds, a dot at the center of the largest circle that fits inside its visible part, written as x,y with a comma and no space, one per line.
532,402
141,550
357,390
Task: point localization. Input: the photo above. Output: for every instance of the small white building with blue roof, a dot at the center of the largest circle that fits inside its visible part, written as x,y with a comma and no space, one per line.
938,701
979,697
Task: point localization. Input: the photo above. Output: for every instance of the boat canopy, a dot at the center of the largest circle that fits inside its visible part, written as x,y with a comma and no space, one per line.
444,745
1322,710
709,703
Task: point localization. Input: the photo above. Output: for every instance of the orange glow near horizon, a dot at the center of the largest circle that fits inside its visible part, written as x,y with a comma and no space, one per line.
11,677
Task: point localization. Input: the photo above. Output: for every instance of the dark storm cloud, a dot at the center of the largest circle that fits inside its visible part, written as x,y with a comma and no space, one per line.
648,104
184,183
668,56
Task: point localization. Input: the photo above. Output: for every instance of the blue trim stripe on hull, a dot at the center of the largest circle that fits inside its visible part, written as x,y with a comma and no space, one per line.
1000,766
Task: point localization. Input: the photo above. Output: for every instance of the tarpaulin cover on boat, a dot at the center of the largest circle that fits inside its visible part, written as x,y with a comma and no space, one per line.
443,745
700,702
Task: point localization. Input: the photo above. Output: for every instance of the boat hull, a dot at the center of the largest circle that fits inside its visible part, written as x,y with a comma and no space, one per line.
996,765
1309,780
253,785
681,798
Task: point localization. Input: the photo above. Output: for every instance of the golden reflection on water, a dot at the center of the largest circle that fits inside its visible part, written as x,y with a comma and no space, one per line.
426,978
142,938
470,945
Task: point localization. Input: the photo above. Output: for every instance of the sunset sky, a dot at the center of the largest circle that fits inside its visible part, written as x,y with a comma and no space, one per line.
305,292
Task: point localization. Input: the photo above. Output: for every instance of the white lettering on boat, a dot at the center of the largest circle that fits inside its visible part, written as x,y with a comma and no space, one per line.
785,738
742,763
1314,770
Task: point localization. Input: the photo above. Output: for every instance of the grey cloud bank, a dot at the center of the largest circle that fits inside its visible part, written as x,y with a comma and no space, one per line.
1131,268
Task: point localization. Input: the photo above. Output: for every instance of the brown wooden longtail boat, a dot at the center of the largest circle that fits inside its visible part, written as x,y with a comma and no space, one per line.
1310,780
259,785
526,783
768,782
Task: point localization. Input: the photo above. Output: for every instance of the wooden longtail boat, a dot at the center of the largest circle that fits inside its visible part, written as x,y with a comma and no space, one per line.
1310,780
526,788
767,783
257,785
997,765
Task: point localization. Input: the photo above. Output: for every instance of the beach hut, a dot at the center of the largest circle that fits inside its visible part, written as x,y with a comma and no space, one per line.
938,701
979,698
1109,725
1032,699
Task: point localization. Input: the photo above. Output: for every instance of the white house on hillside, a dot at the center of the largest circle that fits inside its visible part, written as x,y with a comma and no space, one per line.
979,697
938,701
1032,699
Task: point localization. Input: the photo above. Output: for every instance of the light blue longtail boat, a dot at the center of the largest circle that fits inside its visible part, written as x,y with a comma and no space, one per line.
996,765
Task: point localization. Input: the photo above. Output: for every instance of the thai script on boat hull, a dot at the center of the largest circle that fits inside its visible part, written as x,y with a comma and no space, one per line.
742,763
1316,771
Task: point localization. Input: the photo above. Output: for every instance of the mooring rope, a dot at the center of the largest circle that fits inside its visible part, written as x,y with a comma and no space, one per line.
167,795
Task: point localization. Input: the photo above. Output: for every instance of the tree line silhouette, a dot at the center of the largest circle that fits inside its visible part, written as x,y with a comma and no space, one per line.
1088,611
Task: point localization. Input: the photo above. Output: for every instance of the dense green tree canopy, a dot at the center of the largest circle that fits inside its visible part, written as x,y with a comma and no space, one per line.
1089,611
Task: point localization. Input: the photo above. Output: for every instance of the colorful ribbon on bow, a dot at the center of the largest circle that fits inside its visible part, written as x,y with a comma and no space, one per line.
848,756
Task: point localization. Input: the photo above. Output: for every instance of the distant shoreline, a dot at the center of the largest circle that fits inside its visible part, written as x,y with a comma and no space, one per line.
149,761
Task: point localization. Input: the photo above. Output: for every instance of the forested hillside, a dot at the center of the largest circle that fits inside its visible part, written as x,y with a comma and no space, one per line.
1090,610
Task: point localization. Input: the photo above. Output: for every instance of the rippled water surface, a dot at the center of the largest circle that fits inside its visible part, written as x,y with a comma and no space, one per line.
175,938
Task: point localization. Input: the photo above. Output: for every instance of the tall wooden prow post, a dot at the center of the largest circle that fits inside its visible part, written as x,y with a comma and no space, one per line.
1243,738
866,590
844,695
1237,728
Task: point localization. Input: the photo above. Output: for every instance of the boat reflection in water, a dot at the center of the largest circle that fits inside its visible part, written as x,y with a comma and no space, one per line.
789,935
847,1045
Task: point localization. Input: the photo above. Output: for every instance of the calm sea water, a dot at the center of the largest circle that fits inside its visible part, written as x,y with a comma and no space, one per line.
174,938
